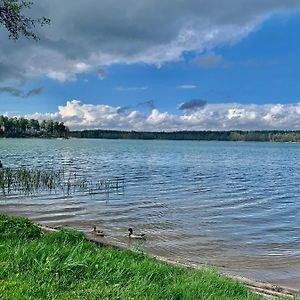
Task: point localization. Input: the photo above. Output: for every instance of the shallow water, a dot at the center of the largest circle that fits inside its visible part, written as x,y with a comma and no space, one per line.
232,205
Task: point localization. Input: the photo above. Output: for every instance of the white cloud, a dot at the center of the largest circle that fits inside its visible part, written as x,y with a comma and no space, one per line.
227,116
131,88
87,35
187,86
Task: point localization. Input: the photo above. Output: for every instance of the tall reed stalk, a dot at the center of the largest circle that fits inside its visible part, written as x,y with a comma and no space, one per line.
33,181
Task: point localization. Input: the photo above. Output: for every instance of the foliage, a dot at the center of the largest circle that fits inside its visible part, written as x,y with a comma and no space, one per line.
63,265
16,23
10,228
261,136
21,127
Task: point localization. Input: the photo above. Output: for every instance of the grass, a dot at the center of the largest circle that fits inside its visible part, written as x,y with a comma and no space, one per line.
64,265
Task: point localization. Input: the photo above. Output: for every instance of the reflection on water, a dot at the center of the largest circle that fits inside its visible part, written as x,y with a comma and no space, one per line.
233,205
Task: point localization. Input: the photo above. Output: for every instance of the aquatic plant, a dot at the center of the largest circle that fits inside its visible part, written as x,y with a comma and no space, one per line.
32,181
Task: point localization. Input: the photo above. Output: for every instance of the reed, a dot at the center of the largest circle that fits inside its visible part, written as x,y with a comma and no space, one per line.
33,181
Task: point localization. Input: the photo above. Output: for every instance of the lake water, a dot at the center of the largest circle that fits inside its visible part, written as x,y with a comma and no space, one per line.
228,204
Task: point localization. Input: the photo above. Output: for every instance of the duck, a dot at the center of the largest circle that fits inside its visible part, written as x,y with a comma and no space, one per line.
136,236
97,232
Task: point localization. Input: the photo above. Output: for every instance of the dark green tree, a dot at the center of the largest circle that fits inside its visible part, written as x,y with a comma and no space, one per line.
22,127
12,17
43,125
50,126
34,125
23,124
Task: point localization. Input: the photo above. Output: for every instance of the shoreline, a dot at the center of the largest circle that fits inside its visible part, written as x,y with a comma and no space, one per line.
146,139
49,263
268,288
265,289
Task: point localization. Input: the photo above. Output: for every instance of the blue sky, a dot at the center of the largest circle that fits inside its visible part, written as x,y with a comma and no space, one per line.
255,69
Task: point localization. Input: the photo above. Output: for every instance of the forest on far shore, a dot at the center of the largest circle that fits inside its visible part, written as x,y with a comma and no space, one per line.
236,135
22,127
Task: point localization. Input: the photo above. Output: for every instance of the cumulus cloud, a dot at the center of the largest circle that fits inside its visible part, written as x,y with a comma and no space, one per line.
123,110
87,35
19,93
226,116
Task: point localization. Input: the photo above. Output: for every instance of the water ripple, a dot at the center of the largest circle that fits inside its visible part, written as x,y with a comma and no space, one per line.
232,205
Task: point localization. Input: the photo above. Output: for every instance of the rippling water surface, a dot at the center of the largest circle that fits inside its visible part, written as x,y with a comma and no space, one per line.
233,205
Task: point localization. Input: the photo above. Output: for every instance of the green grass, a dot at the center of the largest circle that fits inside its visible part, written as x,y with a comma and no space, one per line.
64,265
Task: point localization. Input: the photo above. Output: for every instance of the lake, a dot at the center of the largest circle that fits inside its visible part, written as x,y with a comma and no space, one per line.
228,204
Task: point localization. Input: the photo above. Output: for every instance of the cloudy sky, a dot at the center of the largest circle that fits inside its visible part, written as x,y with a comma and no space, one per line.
158,65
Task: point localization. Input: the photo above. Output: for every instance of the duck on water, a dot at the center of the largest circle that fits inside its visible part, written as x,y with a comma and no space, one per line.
97,232
136,236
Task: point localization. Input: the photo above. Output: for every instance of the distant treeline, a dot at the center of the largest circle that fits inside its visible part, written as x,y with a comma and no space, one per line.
261,136
21,127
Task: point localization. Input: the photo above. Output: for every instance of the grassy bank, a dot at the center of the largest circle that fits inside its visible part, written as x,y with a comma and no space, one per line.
63,265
